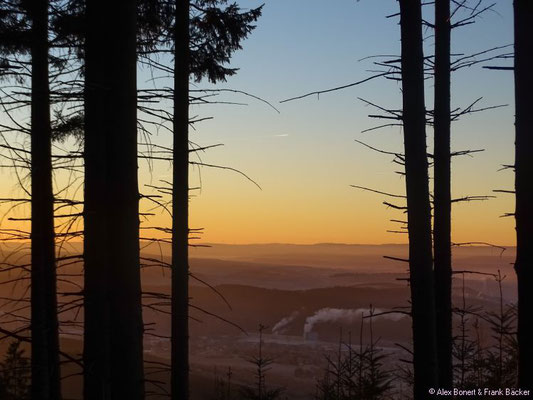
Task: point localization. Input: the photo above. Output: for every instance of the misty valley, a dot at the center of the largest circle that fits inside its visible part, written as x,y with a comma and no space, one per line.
307,303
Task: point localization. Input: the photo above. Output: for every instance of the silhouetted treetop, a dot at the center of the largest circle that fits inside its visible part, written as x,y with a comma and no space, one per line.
217,30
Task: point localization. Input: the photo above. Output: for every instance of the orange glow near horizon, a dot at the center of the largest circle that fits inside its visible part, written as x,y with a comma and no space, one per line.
232,211
305,204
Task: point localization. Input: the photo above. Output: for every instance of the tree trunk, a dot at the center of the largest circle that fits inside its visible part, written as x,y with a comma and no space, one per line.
96,347
523,14
180,207
114,256
44,323
417,190
126,325
442,194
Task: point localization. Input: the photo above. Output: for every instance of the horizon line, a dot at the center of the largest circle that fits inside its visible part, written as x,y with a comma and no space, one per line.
200,245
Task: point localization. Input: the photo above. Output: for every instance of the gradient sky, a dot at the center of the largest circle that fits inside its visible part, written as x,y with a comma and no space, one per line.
305,158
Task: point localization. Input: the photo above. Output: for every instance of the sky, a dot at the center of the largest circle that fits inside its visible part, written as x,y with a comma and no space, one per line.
305,157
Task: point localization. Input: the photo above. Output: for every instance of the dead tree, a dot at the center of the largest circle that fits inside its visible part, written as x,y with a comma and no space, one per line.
442,201
112,276
418,202
443,116
523,30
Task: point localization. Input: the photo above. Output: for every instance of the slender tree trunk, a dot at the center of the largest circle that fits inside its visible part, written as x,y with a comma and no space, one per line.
96,298
112,212
417,189
180,207
44,323
442,195
523,14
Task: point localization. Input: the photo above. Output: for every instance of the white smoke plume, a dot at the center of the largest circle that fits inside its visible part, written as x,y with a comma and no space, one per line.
344,315
284,322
